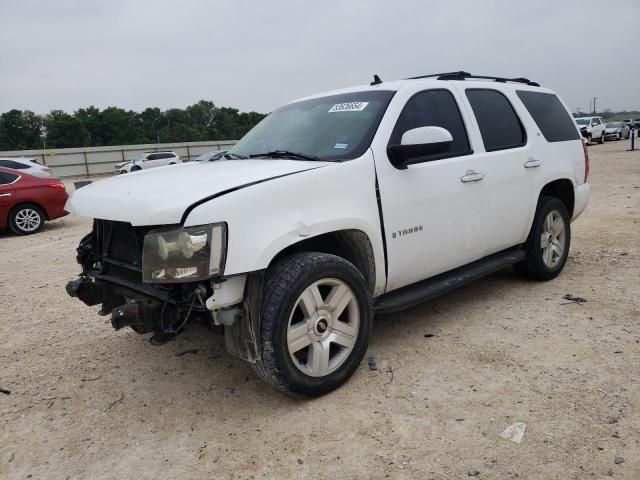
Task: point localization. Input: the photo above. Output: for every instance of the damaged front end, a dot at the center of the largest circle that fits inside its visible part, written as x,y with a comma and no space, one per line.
156,279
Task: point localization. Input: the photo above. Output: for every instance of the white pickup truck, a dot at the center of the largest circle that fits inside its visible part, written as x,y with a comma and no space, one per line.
334,208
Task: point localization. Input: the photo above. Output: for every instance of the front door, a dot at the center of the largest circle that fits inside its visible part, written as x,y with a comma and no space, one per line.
433,211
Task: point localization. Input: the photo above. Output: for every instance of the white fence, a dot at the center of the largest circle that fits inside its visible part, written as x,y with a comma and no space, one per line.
71,162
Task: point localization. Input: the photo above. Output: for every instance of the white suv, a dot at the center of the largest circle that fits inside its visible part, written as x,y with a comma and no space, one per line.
592,128
334,208
146,160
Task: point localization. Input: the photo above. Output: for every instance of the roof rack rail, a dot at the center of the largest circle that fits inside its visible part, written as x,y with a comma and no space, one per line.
466,75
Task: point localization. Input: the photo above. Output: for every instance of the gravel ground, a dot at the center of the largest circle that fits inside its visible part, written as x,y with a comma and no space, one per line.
89,402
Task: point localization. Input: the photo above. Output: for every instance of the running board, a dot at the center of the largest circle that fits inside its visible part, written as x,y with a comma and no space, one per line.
424,290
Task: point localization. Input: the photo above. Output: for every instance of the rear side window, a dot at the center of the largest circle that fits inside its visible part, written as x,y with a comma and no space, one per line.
435,108
499,125
6,178
12,164
550,115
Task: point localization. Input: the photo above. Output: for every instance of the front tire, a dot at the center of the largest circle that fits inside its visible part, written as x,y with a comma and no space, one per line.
26,219
601,141
316,320
135,168
548,244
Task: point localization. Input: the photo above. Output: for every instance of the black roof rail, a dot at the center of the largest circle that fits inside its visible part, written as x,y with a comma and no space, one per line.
466,75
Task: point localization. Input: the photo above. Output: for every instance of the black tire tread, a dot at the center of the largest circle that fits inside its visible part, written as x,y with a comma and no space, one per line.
276,289
14,211
531,266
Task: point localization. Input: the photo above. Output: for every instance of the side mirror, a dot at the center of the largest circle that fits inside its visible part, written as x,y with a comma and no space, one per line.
419,142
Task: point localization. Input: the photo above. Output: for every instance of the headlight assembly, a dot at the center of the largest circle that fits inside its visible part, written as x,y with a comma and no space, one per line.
184,254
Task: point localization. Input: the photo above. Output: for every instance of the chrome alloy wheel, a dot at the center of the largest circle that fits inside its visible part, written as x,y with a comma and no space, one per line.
553,240
28,220
323,327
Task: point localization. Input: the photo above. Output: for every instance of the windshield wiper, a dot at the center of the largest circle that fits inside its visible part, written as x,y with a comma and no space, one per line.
230,156
284,154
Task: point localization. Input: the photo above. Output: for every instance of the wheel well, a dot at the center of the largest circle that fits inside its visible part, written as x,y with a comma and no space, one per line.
352,245
562,190
36,204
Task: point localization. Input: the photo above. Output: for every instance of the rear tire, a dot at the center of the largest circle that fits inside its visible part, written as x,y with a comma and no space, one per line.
548,244
26,219
316,320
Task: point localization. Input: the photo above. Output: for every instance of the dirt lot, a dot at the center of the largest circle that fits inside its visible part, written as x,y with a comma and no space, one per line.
88,402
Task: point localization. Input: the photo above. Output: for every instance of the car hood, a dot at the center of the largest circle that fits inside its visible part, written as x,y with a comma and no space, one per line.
161,195
613,129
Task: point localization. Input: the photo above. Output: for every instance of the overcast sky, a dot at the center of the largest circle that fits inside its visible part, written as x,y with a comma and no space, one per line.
256,54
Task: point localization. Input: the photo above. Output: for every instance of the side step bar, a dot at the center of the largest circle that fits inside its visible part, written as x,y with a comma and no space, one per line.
430,288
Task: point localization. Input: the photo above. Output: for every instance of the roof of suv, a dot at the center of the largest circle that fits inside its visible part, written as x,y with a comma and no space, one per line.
498,83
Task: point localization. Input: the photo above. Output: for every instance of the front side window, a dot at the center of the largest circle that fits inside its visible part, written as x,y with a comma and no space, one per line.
433,108
332,128
499,125
550,116
596,121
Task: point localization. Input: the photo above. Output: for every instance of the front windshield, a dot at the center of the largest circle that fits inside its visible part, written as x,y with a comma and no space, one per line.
582,121
337,127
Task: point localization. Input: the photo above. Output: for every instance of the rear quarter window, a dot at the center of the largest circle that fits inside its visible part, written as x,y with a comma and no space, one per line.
550,115
12,164
6,178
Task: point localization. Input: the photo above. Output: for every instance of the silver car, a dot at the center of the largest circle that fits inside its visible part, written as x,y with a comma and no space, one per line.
26,165
616,131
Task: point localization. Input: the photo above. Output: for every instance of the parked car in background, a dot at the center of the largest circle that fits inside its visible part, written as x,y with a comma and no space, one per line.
28,165
210,156
27,201
146,160
616,131
592,128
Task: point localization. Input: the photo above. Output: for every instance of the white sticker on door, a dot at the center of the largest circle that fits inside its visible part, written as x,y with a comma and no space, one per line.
349,107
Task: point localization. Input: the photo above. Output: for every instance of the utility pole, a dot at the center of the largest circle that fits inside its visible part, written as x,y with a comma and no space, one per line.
578,111
594,105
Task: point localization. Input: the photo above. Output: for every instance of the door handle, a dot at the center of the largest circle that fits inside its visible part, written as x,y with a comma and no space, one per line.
5,194
472,176
532,163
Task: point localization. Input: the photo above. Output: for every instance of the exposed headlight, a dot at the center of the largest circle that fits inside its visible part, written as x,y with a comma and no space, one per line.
184,254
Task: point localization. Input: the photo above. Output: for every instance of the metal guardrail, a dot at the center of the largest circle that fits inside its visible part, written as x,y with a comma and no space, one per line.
72,162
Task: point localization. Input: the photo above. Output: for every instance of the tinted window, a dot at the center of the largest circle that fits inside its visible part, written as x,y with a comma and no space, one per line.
499,125
550,115
6,178
12,164
435,108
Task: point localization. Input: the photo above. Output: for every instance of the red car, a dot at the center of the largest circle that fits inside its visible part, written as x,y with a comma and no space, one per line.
27,201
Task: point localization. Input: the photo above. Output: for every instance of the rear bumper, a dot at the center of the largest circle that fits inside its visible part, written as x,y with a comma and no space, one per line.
582,195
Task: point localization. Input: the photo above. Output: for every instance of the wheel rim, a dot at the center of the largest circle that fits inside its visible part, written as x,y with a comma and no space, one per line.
323,327
28,220
553,239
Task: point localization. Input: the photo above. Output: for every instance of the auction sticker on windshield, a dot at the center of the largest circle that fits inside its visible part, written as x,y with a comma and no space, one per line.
349,107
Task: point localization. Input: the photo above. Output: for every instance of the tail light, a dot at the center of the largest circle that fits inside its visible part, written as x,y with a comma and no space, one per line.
58,187
586,160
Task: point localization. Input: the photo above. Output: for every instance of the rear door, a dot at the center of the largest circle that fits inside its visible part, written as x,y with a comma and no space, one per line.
7,193
510,162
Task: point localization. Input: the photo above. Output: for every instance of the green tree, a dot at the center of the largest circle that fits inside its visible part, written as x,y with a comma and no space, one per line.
20,130
65,131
